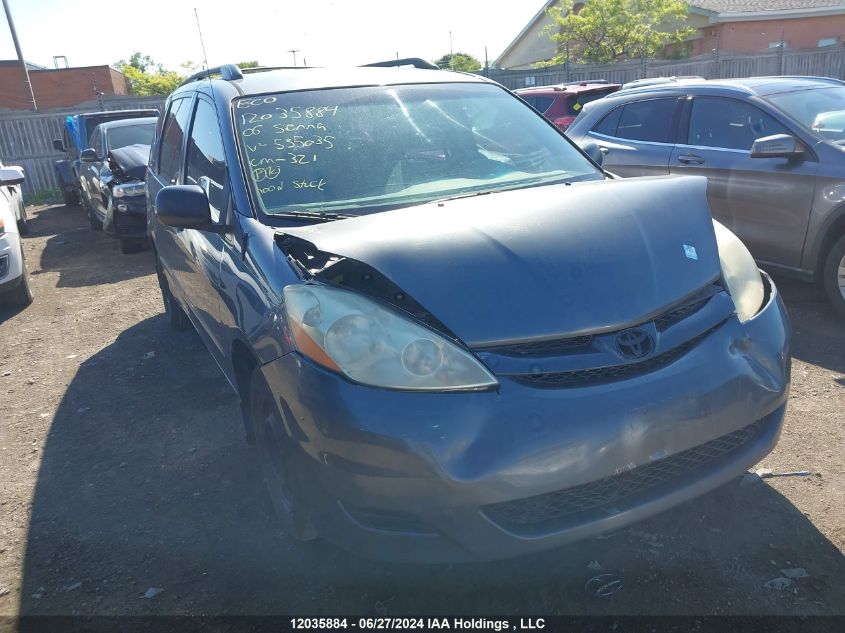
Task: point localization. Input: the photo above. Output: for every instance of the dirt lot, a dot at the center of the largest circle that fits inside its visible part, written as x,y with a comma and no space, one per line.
123,468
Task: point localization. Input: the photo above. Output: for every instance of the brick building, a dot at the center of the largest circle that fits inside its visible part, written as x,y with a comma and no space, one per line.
732,26
57,88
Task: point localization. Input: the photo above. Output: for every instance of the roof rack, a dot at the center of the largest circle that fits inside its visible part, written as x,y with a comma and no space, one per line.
831,80
416,62
659,81
227,72
264,69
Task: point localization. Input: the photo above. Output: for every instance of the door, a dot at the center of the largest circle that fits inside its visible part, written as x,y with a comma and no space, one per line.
637,138
166,168
765,201
205,166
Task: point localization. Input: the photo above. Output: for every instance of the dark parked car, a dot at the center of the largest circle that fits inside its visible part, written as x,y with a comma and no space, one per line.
772,149
452,335
78,136
108,179
561,103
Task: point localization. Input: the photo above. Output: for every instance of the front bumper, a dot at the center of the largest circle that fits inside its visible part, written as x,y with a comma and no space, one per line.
126,217
463,476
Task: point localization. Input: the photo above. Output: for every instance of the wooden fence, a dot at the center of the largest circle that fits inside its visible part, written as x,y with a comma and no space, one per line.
26,138
826,62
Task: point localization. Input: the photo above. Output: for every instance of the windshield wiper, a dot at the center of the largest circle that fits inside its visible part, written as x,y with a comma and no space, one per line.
314,216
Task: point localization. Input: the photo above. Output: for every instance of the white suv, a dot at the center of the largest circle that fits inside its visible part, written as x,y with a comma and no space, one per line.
14,282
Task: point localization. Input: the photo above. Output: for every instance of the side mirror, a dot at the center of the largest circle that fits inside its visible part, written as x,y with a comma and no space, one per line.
593,151
11,176
59,145
776,146
88,155
185,207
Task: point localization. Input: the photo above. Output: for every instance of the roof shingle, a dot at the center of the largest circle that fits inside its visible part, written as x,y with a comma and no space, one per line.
742,6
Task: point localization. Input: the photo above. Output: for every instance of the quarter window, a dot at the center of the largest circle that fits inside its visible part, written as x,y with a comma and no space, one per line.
609,123
170,161
729,124
206,161
649,120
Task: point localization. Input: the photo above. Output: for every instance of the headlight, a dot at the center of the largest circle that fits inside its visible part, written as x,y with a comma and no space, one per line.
375,346
740,273
129,189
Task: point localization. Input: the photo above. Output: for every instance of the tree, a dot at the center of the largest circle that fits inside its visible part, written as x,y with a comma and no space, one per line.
459,61
604,31
248,65
146,77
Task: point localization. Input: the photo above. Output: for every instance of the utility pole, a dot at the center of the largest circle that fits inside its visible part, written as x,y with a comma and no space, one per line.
451,53
293,52
18,51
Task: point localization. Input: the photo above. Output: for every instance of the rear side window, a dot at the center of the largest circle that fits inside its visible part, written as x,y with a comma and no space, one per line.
609,123
729,124
649,120
541,104
206,160
170,157
577,101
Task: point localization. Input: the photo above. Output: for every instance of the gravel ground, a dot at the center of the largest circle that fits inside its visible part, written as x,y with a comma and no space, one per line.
123,469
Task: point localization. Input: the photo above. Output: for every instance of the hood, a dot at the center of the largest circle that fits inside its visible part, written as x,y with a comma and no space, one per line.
129,162
543,262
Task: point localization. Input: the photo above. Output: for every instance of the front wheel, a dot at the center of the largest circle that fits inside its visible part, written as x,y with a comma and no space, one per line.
175,314
275,449
833,276
21,296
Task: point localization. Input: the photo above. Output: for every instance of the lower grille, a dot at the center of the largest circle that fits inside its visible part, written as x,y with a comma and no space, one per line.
555,510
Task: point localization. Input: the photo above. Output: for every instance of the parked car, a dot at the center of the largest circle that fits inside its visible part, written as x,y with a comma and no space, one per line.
78,136
101,176
14,280
452,335
772,149
15,196
563,102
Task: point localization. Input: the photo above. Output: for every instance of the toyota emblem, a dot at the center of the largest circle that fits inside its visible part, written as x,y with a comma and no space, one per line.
634,343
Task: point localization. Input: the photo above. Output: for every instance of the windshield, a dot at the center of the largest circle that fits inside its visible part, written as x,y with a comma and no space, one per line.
359,150
821,110
124,135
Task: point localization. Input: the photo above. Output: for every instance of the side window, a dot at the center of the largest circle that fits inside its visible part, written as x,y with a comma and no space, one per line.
541,104
206,164
609,123
649,120
729,124
170,156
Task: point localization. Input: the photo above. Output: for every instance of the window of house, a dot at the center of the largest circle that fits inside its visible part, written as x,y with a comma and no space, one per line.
828,41
729,124
170,160
778,44
649,120
206,160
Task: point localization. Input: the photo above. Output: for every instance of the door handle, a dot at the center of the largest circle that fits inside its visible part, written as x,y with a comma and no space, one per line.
690,159
603,149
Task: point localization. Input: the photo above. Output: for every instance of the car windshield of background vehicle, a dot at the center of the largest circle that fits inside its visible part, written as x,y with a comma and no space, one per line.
821,110
131,135
359,150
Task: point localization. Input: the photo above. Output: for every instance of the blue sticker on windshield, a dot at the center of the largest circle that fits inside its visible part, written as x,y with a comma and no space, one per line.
690,252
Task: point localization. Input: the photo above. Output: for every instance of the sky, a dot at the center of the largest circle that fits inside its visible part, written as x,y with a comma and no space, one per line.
326,32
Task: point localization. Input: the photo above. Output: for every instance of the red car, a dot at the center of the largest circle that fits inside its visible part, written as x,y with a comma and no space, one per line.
563,102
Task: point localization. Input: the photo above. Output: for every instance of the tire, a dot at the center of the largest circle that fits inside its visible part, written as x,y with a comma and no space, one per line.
275,449
23,223
93,220
177,318
833,276
21,296
127,247
70,198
